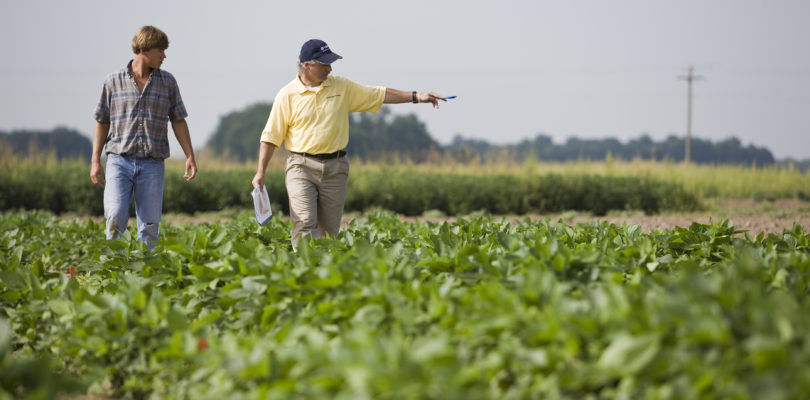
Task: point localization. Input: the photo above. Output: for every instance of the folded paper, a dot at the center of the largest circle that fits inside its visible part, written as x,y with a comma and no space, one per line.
261,204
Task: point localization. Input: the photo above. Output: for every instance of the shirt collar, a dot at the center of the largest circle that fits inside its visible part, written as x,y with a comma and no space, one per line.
129,69
303,88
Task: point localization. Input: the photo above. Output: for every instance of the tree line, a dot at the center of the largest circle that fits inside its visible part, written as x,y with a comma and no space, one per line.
541,148
61,142
383,136
376,137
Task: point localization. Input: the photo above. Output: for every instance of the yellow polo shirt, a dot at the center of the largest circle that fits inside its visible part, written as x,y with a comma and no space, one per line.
316,120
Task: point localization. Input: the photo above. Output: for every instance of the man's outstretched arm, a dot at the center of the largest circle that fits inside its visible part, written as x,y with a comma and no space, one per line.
394,96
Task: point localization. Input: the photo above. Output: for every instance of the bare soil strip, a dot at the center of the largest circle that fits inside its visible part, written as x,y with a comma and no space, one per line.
748,215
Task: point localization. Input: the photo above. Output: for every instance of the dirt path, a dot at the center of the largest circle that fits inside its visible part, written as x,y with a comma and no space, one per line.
753,216
749,215
754,224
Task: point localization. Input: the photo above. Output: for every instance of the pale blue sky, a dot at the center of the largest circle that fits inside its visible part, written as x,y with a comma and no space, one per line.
591,69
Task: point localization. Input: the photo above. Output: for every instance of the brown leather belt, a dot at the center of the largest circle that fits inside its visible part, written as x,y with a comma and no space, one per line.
325,156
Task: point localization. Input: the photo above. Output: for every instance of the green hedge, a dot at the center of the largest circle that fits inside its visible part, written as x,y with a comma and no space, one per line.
414,193
68,190
59,190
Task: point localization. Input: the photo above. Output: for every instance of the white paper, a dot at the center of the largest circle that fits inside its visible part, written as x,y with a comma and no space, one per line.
261,204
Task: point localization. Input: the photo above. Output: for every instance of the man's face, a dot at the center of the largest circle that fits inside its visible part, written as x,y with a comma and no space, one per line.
154,57
318,71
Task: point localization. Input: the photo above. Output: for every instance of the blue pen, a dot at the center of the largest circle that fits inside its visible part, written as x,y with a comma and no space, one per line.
450,97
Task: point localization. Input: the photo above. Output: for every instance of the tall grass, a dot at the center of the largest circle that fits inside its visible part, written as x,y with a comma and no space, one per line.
704,181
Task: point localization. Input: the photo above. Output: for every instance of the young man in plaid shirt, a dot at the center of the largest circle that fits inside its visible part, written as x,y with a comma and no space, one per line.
137,104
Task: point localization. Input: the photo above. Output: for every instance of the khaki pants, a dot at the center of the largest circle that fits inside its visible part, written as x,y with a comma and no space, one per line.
317,190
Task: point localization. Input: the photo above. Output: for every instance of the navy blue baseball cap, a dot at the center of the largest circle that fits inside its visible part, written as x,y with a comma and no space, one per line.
316,49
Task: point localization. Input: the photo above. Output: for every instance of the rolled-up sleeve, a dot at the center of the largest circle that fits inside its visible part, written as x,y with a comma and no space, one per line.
102,113
177,110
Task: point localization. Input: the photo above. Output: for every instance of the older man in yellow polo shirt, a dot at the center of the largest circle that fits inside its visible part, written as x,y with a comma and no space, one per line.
311,114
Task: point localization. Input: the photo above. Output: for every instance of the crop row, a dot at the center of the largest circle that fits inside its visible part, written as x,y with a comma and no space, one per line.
473,309
68,190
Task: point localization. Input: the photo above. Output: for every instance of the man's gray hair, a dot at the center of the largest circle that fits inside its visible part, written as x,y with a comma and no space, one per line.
302,69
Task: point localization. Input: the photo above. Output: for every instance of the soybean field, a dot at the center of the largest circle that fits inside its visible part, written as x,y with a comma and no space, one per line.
474,308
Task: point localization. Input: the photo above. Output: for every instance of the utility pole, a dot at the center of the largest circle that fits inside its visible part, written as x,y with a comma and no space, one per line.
689,78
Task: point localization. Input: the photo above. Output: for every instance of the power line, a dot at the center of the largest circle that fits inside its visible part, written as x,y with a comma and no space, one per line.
689,78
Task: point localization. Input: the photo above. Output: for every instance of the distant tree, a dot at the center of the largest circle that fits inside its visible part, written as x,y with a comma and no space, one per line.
367,134
373,137
63,142
544,148
799,165
642,148
238,133
407,135
468,150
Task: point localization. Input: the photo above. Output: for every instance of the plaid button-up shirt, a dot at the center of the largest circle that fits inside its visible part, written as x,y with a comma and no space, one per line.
139,120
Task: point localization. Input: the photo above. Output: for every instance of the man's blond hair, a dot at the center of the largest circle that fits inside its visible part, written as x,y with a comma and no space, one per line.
148,38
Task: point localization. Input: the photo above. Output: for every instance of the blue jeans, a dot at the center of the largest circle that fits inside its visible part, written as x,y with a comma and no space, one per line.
143,177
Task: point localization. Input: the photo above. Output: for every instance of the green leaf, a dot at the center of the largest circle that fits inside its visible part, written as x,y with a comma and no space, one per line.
256,284
627,355
61,306
176,319
16,258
